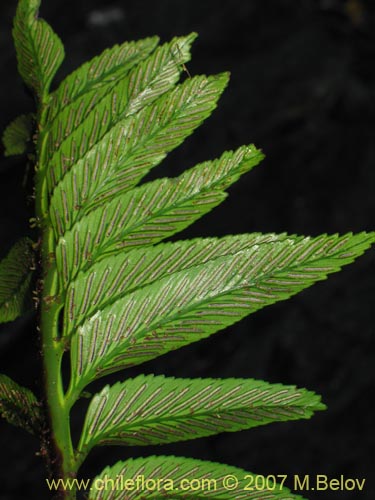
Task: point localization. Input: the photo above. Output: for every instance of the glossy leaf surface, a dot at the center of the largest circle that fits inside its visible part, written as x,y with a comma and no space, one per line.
191,304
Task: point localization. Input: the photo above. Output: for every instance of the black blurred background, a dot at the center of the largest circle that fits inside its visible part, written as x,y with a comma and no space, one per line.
302,89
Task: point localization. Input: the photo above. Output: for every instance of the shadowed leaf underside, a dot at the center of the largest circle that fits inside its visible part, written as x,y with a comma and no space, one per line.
15,279
17,135
19,406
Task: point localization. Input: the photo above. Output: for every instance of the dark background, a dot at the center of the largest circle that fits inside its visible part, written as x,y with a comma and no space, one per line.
302,89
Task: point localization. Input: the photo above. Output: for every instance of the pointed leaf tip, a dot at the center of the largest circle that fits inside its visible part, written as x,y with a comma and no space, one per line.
164,206
196,301
40,51
156,409
111,107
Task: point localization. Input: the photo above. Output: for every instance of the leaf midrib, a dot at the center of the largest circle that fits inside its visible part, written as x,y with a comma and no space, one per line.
109,302
99,82
193,195
111,123
145,139
35,53
170,418
143,333
140,145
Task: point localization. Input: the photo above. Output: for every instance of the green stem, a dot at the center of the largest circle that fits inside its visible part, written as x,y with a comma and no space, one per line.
61,452
53,350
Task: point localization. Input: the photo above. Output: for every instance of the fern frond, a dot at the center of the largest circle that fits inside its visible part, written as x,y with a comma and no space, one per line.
72,137
193,304
118,275
120,160
40,51
17,135
111,293
96,77
156,409
15,278
150,213
19,406
175,474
